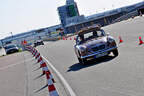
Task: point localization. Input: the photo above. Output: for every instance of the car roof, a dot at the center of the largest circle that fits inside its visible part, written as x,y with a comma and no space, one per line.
89,29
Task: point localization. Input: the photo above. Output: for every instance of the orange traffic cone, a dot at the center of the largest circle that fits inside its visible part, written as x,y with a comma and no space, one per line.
140,41
70,38
120,39
63,38
74,38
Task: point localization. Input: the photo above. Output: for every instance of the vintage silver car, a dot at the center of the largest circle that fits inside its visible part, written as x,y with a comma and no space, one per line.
92,42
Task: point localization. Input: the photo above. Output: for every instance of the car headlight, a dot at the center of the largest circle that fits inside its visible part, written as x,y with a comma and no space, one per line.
83,50
111,42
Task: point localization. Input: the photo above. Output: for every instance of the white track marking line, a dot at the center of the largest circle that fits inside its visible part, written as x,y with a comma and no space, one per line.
12,65
61,77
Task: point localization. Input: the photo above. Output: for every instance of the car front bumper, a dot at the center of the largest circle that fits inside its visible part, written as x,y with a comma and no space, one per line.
99,53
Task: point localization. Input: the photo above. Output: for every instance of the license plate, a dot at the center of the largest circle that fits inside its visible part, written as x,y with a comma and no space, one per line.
100,55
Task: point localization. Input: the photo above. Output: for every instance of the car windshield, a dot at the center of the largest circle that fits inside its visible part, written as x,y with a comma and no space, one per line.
93,34
10,46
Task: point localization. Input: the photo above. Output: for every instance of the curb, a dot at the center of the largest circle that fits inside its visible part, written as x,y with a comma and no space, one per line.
45,70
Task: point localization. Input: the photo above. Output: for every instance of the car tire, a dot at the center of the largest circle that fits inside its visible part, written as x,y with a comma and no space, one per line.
82,61
42,43
115,52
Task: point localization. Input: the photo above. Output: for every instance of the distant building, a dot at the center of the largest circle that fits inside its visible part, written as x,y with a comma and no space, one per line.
69,13
31,36
105,18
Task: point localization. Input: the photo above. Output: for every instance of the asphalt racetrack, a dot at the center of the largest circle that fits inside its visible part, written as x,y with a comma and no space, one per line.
107,76
19,76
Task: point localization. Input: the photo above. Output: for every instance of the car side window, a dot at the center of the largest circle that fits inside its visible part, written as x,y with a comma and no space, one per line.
79,40
101,33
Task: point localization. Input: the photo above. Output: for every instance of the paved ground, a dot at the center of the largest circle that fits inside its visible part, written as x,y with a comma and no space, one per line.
20,76
120,76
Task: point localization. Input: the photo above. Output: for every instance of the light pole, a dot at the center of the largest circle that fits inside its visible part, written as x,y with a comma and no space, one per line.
11,34
96,11
104,9
113,6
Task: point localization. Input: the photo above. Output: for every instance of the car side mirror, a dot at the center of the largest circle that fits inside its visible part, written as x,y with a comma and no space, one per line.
77,41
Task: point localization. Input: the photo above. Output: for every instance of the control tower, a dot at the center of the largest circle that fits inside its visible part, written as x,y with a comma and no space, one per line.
69,13
69,2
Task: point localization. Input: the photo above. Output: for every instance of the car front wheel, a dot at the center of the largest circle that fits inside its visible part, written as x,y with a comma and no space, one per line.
82,61
42,43
115,52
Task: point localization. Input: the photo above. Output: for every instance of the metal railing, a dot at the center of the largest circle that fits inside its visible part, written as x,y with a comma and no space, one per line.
126,16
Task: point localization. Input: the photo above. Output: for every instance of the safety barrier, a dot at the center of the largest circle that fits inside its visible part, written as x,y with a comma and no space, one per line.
45,71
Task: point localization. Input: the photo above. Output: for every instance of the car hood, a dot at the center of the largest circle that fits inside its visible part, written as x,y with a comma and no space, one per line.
95,41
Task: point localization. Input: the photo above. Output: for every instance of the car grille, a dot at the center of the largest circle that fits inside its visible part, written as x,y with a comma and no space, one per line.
97,48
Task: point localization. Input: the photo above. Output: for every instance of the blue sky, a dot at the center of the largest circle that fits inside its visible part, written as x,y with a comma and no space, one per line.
24,15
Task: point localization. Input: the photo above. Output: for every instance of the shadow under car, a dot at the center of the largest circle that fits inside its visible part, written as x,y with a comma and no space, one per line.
78,66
